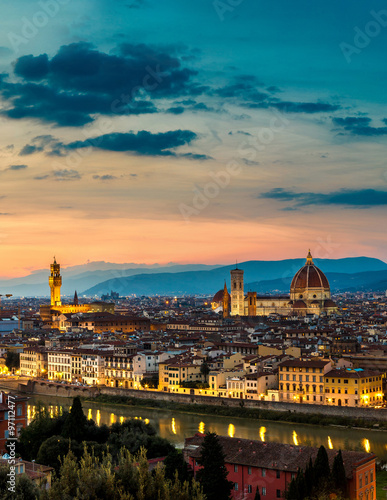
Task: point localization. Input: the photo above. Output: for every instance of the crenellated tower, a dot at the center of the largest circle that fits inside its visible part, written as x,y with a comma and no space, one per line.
55,282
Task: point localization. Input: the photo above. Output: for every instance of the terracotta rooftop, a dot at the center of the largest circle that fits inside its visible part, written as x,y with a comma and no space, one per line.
277,456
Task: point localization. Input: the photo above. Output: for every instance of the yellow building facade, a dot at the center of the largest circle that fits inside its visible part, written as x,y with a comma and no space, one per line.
353,387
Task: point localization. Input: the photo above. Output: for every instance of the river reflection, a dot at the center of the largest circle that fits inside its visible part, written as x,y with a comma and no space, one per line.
176,426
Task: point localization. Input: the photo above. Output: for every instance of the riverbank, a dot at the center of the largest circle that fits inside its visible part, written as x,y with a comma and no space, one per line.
243,412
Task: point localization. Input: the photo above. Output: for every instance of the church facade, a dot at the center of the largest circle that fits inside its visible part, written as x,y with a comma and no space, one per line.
309,295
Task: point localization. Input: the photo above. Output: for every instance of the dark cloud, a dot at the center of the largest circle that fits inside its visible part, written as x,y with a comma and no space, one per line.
361,198
141,143
304,107
248,91
360,125
105,177
79,82
177,110
32,68
38,144
61,175
17,167
195,156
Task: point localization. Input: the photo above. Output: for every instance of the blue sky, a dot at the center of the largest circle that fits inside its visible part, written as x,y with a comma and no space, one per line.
124,114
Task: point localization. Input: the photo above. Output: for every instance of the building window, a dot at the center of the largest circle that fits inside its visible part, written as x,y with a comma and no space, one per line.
249,488
236,486
360,481
263,472
278,474
278,493
249,470
235,468
263,491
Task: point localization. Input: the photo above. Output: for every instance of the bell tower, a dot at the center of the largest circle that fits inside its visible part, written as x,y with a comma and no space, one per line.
55,282
237,293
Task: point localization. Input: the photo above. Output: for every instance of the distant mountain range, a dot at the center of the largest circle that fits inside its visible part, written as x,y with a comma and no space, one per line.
97,278
262,276
87,275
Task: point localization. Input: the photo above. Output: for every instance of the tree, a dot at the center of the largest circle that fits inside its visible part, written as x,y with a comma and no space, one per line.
213,474
12,360
257,494
321,464
174,463
309,476
204,369
339,478
51,450
76,422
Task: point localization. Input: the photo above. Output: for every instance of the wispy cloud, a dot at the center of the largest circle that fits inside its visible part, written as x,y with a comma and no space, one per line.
360,198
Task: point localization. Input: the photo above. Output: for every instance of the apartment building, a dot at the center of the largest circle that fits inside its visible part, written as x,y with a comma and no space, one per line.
302,381
353,387
34,362
59,365
93,366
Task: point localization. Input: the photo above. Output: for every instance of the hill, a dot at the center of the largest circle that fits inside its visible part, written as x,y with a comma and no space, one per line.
262,276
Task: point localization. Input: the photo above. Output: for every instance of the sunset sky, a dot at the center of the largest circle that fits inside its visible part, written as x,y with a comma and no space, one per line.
191,131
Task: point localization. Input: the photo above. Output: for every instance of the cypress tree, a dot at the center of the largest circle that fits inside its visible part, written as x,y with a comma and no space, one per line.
309,477
321,464
213,474
257,494
338,474
76,422
292,493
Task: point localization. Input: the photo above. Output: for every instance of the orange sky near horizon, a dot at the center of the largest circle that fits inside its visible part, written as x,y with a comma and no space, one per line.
149,241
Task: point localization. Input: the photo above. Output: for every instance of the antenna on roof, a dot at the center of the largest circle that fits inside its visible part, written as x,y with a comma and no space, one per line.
236,263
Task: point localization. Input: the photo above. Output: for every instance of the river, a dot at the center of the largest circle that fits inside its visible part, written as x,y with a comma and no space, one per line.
176,426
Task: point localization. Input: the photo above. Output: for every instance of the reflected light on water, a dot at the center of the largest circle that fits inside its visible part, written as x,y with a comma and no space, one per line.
173,426
202,427
231,430
112,418
295,438
146,420
122,420
366,445
262,432
330,445
89,414
98,419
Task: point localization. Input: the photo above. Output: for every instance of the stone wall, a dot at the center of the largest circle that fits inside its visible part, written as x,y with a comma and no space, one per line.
52,389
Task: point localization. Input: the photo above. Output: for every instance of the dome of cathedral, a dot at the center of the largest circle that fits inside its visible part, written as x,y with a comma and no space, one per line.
309,276
218,297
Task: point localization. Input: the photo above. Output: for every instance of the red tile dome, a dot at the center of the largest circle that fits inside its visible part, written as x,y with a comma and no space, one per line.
309,276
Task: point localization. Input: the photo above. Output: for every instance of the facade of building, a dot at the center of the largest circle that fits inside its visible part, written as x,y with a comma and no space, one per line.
59,365
34,362
353,387
302,381
270,467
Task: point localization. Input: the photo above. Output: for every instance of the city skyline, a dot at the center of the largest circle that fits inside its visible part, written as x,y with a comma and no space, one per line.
199,133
